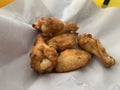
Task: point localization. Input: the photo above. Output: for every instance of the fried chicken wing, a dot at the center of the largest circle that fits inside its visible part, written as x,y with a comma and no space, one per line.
63,41
72,59
52,26
90,44
43,58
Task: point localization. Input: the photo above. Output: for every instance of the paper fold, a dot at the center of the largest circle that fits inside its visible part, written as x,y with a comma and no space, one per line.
17,37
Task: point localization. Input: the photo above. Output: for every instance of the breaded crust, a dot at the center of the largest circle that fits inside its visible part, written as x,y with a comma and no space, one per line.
43,58
72,59
94,46
63,41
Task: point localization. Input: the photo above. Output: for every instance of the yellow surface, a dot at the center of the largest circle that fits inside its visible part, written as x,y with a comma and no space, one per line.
99,3
112,3
5,2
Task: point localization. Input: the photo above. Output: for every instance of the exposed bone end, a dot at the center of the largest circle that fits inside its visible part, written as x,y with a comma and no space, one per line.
109,61
36,25
45,64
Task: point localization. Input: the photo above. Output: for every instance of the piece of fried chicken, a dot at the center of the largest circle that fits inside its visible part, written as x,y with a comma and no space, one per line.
53,26
63,41
72,59
90,44
43,58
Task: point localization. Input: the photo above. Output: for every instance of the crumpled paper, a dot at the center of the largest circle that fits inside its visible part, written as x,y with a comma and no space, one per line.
17,37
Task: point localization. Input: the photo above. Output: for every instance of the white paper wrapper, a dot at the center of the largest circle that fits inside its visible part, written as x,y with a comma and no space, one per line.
17,37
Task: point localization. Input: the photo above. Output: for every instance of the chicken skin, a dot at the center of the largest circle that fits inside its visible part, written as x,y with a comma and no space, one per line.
63,41
53,26
55,48
72,59
43,58
90,44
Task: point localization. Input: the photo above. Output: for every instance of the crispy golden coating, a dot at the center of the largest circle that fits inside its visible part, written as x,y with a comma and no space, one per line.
52,26
43,58
63,41
72,59
88,43
61,36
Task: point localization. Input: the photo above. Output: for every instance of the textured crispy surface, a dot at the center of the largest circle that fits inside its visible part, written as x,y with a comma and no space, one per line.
53,26
43,58
92,45
61,36
63,41
72,59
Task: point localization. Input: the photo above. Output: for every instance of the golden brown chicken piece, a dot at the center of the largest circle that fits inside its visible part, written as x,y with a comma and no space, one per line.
88,43
53,26
63,41
43,58
72,59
